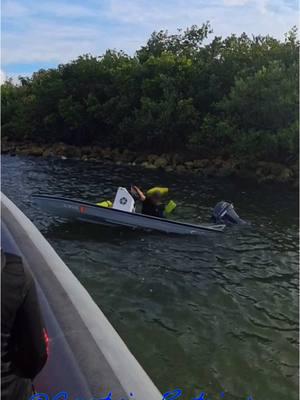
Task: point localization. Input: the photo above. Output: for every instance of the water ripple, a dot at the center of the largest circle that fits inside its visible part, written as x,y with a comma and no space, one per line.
215,314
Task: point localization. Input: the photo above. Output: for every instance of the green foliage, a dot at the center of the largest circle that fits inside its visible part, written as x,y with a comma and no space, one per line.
237,95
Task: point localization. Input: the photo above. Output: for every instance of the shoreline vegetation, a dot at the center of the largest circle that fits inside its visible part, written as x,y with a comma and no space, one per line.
183,102
261,171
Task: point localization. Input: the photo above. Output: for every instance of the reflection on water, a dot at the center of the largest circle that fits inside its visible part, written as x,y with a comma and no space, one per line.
201,314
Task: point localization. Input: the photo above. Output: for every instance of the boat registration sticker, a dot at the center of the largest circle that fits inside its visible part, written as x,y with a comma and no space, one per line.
82,209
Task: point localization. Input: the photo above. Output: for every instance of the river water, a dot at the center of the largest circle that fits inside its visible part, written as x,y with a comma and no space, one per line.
217,314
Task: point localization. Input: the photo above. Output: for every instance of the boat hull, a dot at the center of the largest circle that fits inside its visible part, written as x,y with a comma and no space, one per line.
88,212
87,358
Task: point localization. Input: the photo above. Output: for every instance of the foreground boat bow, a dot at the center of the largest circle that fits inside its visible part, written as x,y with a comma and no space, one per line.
87,357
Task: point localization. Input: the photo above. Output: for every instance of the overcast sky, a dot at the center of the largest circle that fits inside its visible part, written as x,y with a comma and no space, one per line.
43,33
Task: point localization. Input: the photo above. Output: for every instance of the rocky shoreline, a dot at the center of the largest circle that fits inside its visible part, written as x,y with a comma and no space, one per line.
260,171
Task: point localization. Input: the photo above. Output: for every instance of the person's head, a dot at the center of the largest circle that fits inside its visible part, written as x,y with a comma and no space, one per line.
156,197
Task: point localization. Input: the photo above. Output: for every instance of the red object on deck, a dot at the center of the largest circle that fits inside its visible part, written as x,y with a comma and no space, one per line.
46,337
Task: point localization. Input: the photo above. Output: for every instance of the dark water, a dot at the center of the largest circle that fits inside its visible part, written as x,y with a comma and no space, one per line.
213,315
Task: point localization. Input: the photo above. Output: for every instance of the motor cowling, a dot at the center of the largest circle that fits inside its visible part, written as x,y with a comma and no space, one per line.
224,213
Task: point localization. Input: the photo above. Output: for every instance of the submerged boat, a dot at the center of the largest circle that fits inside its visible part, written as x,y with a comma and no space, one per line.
87,358
121,213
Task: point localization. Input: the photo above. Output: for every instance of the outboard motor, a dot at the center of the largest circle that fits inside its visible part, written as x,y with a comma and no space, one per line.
224,213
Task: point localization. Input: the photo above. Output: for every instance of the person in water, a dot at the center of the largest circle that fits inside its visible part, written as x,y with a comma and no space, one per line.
152,204
23,335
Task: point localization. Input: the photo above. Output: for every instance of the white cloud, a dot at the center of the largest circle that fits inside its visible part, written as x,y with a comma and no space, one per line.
237,2
44,32
66,10
13,9
48,42
257,16
15,77
2,77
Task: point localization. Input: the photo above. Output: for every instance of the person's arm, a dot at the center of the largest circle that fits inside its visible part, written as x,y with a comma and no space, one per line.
138,191
32,351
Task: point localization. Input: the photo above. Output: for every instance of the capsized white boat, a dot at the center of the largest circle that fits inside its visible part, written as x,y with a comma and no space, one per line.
122,213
